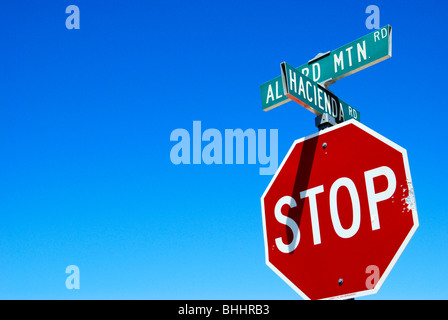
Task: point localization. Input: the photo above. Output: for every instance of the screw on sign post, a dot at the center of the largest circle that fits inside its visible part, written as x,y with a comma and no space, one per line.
340,207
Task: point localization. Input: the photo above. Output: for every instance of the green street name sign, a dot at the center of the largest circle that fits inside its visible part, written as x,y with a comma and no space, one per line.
309,94
334,65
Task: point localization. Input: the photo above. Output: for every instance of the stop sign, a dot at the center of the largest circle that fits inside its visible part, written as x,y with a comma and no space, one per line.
339,212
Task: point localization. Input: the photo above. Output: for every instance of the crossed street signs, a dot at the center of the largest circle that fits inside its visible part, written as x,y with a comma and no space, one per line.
326,69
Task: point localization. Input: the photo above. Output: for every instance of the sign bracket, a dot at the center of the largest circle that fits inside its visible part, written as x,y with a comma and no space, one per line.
319,56
324,121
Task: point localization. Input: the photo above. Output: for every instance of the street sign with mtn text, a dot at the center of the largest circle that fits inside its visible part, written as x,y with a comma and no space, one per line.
329,67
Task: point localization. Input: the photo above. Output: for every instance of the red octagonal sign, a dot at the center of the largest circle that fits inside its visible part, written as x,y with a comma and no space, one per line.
339,212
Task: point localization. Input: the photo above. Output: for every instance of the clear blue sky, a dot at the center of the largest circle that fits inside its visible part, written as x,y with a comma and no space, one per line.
85,123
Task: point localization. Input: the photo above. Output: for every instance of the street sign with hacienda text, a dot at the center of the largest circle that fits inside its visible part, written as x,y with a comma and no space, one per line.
314,97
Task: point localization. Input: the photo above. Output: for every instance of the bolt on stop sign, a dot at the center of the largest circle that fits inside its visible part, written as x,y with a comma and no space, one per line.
339,212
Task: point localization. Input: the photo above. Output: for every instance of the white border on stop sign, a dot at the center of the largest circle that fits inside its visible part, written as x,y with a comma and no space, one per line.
413,209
